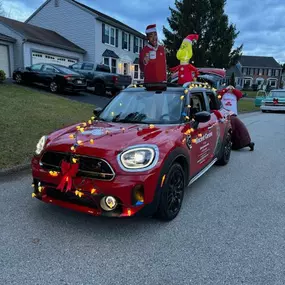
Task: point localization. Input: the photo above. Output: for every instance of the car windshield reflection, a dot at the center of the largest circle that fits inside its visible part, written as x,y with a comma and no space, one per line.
277,94
145,107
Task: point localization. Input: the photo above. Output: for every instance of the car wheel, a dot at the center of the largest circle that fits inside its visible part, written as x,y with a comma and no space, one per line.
99,88
53,87
226,150
172,193
263,111
18,78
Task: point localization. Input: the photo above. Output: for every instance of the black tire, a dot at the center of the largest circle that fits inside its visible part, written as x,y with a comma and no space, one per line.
18,78
226,150
114,92
53,87
172,194
263,111
99,88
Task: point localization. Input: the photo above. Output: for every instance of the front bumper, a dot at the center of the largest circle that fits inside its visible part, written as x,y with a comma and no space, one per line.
74,87
122,188
272,108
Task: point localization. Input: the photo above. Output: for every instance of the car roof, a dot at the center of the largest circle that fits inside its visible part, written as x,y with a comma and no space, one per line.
179,89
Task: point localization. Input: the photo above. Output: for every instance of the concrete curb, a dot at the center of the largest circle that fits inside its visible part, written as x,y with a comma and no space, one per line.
14,169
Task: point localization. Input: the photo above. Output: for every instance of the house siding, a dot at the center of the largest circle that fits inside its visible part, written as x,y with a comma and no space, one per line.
30,47
17,49
69,21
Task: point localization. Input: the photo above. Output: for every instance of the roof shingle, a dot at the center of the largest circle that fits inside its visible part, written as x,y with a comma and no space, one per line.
109,53
41,36
259,61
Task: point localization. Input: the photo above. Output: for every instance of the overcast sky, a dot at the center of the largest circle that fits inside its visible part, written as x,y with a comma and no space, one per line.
260,22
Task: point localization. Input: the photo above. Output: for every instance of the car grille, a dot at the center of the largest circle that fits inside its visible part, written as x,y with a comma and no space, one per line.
272,104
86,201
89,167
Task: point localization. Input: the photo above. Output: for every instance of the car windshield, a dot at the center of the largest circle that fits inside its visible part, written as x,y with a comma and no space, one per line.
145,107
277,94
66,70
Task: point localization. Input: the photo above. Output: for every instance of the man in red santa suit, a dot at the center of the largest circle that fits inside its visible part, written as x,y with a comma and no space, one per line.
152,58
240,136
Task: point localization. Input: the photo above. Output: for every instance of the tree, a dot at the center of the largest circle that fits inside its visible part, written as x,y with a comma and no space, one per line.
232,80
208,20
2,11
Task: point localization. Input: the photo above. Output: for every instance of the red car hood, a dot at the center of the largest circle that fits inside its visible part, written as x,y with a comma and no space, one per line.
110,137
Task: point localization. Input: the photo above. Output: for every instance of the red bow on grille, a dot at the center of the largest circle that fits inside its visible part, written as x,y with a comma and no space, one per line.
275,101
68,170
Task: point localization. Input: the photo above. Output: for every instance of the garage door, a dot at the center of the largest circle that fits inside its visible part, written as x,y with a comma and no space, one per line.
47,58
4,61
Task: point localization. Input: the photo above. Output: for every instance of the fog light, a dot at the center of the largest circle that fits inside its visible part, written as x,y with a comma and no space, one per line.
108,203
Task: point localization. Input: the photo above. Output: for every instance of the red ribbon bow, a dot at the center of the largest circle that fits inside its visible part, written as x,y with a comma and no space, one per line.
68,170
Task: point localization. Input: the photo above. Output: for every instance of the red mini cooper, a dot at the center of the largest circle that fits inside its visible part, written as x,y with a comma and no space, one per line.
137,155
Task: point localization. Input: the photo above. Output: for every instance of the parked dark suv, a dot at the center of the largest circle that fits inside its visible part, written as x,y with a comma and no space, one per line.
100,77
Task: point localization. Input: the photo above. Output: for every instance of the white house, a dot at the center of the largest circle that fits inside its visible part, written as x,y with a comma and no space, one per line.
105,39
23,45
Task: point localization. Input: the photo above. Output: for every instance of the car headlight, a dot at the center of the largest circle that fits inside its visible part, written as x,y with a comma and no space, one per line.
139,158
41,145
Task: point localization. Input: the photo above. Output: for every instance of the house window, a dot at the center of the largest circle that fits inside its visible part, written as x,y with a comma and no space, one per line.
112,63
251,71
276,72
269,72
244,71
141,45
272,82
136,45
256,71
109,35
126,41
138,74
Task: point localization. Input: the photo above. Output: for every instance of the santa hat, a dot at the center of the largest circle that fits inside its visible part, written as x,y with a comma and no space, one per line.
191,38
150,29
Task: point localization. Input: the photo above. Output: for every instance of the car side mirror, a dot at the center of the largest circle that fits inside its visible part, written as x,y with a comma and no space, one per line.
97,111
202,117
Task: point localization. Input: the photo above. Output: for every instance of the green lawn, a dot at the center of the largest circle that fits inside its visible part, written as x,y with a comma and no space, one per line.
250,94
26,115
247,106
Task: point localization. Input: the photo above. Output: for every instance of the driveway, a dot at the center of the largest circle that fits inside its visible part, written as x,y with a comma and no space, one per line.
231,229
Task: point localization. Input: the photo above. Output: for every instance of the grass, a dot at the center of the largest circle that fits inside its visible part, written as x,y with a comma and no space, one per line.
250,94
26,115
247,106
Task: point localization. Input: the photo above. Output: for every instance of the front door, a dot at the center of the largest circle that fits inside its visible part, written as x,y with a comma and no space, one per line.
203,136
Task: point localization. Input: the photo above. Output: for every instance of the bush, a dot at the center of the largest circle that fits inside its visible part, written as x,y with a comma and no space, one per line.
2,76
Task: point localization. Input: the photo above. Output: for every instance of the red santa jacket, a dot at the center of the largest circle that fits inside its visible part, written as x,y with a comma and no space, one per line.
236,92
155,69
186,73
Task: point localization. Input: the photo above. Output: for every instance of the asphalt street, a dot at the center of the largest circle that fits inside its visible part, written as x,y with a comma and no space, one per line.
231,229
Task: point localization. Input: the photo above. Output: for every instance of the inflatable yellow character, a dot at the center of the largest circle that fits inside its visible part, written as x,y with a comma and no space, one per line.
186,71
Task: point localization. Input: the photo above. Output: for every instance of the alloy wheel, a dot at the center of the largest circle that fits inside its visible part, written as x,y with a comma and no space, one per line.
175,192
18,78
53,87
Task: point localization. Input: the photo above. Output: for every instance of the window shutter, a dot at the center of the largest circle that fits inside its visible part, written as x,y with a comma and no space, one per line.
123,35
134,49
129,42
103,33
117,37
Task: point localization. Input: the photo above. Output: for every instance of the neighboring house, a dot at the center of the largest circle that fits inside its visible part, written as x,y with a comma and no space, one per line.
23,44
105,39
260,70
